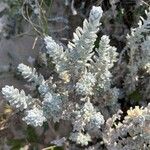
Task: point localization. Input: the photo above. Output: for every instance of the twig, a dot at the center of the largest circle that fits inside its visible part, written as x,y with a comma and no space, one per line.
35,41
72,8
28,18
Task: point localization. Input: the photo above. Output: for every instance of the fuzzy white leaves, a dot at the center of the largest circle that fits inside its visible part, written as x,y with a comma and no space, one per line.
80,138
96,121
43,88
85,85
75,58
139,53
106,52
87,110
15,98
95,15
34,117
84,38
53,49
145,59
132,133
30,74
89,113
57,53
107,55
83,70
87,118
52,106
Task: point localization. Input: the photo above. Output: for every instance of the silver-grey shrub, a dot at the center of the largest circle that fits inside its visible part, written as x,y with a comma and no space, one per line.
84,78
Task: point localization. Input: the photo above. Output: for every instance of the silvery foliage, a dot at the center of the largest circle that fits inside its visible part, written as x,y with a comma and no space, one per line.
85,85
34,117
87,116
139,54
30,74
96,121
80,138
84,76
104,61
15,98
52,106
132,133
79,51
57,53
73,62
86,119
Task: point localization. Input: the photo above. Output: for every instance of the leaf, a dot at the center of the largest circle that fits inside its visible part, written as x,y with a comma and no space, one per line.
31,134
58,148
53,148
16,143
45,126
48,2
136,96
56,126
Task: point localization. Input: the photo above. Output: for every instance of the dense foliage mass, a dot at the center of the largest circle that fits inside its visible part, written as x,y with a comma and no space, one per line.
84,93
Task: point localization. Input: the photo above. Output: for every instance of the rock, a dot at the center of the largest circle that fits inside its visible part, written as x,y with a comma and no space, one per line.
3,6
12,52
3,22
